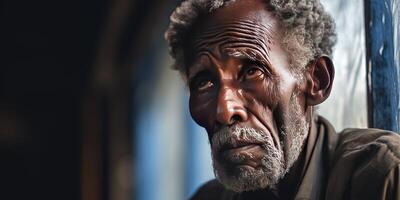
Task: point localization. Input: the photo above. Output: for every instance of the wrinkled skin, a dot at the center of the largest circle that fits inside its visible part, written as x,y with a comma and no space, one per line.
239,74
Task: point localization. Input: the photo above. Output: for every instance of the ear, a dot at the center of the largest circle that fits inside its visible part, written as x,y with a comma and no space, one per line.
319,74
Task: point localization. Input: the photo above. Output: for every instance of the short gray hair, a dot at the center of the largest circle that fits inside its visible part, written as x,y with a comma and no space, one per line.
309,31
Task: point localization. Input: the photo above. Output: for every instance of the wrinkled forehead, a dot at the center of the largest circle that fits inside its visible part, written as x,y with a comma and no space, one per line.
240,27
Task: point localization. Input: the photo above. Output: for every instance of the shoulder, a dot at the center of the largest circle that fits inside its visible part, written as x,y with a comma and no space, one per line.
363,161
371,142
210,191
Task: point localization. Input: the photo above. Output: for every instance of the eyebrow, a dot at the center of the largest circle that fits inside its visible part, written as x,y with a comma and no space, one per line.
194,70
249,54
195,67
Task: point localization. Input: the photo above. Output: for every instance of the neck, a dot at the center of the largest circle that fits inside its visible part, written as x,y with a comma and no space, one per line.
288,186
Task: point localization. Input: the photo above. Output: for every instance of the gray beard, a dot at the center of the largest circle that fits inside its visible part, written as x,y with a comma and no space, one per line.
275,163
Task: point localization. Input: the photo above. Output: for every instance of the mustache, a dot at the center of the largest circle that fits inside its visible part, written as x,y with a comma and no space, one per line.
236,136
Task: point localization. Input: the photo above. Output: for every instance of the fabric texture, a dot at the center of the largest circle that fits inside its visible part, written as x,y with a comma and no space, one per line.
354,164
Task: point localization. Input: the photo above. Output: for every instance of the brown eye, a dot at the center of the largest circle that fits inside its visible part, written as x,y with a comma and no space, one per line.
252,73
201,84
204,85
202,81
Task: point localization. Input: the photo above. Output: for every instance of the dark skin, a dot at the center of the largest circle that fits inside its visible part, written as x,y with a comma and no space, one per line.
252,88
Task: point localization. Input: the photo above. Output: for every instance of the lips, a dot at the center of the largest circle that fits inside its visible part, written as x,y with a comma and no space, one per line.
238,148
241,149
244,154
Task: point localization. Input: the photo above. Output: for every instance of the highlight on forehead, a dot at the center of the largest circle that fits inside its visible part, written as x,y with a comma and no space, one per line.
239,38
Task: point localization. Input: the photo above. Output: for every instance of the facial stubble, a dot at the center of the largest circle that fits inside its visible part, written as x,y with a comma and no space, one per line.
275,162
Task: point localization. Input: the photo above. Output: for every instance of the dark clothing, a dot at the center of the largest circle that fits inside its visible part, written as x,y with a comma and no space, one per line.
354,164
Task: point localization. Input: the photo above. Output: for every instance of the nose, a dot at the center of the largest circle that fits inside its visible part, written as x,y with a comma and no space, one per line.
230,108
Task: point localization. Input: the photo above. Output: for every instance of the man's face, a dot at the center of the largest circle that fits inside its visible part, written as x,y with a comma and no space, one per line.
243,93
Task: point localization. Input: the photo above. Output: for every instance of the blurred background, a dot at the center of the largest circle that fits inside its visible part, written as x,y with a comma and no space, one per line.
90,109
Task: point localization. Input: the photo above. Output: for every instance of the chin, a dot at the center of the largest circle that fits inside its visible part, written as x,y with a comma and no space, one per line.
259,173
247,178
240,178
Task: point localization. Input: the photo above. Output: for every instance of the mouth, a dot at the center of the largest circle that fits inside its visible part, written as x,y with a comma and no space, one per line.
240,149
239,143
241,155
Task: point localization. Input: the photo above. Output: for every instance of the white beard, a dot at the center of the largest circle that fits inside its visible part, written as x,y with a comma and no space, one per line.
275,163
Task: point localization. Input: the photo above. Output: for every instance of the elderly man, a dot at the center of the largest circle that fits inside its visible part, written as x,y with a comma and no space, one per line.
256,69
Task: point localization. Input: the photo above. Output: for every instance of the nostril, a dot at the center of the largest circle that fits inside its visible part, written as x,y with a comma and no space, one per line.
236,118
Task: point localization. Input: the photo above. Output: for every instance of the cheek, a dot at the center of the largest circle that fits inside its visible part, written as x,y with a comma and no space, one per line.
265,102
263,95
201,109
285,92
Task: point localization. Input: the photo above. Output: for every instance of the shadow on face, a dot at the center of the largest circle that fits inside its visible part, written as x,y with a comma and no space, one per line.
240,79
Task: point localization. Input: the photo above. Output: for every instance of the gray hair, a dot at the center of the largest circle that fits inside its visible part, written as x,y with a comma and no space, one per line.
309,31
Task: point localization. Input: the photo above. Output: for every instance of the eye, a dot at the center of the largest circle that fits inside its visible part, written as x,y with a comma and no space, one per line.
253,73
201,84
